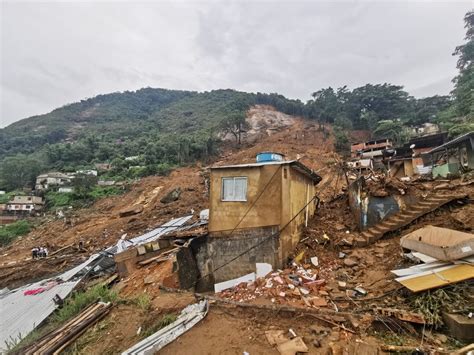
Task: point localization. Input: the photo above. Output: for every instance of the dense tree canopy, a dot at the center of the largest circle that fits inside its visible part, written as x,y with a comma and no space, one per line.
464,82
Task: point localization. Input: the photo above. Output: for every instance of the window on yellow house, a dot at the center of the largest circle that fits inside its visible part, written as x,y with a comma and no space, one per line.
234,189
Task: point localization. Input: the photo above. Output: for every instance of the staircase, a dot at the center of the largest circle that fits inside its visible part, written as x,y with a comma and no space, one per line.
404,218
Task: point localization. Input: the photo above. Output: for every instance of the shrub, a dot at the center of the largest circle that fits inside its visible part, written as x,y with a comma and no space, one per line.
10,232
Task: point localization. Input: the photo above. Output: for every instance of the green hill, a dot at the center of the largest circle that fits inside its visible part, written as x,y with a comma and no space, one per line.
162,127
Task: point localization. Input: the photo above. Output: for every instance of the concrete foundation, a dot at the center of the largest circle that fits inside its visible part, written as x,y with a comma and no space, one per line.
215,251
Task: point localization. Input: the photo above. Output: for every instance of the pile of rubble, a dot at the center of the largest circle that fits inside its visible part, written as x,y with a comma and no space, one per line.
299,284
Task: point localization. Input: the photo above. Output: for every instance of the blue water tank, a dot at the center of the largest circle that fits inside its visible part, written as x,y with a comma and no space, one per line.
266,157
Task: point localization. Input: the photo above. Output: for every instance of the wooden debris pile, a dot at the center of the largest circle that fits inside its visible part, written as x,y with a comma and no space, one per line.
57,340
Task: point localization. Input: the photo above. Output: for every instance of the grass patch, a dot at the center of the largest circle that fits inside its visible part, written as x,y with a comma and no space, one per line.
5,198
59,199
164,321
143,302
80,300
56,199
9,232
105,191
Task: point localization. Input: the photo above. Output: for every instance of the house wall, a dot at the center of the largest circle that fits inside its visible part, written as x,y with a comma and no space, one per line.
226,215
297,191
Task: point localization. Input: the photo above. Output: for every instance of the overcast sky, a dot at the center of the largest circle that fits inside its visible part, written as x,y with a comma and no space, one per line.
60,52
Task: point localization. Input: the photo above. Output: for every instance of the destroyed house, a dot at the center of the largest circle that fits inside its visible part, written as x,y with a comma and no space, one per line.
370,149
256,215
407,160
451,158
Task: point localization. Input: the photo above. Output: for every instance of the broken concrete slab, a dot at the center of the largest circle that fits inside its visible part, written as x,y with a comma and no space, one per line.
440,243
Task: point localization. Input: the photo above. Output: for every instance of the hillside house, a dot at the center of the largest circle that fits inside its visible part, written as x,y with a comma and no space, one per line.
25,205
408,161
52,179
453,157
371,149
262,206
426,128
103,166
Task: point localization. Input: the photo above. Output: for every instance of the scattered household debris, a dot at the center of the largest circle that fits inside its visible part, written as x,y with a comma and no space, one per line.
446,257
284,344
298,284
188,318
437,277
262,270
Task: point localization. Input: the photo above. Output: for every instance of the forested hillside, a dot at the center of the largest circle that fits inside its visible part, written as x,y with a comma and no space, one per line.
163,128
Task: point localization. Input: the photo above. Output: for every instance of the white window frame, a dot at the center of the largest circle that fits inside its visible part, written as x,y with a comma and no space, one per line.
233,199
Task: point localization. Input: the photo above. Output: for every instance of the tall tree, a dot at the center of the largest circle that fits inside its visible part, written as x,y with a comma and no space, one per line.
464,83
19,171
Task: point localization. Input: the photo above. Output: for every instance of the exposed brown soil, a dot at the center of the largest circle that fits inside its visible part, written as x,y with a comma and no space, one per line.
100,226
229,329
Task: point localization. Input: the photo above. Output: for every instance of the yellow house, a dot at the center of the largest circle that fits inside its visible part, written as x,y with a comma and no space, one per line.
256,214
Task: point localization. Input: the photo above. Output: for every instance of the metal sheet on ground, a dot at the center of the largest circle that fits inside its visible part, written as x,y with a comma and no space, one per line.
188,318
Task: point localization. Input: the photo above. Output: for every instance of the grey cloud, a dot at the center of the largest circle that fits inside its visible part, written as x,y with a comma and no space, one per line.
57,53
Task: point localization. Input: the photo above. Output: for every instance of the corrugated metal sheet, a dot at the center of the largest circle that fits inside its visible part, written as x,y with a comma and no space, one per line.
66,276
21,314
168,227
188,318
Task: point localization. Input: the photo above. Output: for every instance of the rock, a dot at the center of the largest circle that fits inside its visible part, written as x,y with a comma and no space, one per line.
316,343
148,280
171,196
131,211
350,262
342,285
